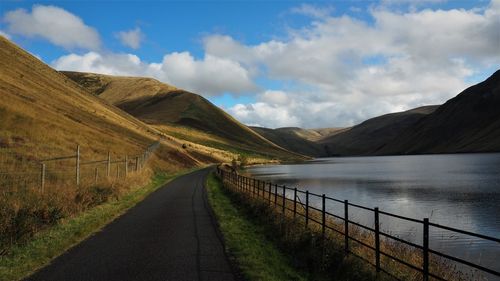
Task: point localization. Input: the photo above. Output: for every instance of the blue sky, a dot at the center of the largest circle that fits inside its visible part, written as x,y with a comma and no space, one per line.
273,63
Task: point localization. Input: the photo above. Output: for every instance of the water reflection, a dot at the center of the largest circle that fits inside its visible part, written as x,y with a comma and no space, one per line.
461,191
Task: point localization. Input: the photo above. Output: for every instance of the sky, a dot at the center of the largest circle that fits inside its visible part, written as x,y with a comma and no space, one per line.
309,64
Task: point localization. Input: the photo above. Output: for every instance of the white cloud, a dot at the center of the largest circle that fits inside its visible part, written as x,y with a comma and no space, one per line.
313,11
131,38
354,70
209,76
57,25
2,33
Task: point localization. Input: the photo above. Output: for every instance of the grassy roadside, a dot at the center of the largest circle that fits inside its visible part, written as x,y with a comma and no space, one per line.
258,258
23,260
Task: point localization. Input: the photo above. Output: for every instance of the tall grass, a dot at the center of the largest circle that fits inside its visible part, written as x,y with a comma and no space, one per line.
25,209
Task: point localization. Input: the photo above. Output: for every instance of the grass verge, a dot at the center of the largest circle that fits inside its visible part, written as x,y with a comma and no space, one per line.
24,259
257,257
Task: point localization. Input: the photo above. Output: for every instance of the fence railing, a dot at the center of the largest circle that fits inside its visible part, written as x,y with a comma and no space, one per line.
70,169
288,200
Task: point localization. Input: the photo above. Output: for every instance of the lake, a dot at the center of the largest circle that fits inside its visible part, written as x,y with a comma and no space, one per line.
457,190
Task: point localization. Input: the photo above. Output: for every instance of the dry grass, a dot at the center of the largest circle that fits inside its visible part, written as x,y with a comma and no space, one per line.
180,114
25,211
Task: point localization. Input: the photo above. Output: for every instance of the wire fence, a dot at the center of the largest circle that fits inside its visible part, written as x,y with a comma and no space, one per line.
299,204
18,173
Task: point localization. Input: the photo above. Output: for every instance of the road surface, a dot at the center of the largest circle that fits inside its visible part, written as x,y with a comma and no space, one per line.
171,235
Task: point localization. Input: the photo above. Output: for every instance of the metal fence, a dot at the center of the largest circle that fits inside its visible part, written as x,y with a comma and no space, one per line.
24,174
289,200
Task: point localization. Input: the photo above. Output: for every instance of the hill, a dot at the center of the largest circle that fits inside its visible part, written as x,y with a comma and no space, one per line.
43,113
369,136
299,140
179,113
469,122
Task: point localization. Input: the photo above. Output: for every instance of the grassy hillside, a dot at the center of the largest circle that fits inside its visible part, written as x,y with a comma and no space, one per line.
470,122
179,113
294,139
369,136
45,114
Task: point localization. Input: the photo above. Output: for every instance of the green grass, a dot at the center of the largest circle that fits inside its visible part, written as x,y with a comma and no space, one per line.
22,260
257,257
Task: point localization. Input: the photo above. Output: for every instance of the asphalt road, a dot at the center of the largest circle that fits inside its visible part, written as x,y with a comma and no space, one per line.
171,235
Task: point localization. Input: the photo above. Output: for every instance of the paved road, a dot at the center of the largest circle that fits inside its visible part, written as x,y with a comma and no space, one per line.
171,235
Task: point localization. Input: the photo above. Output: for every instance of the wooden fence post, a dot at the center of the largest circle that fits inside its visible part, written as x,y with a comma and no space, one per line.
425,245
137,163
77,176
307,207
117,171
96,175
126,165
42,177
346,227
294,202
323,215
377,240
108,168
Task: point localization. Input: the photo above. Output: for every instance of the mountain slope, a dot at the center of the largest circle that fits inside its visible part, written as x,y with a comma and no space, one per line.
178,112
299,140
372,134
470,122
43,113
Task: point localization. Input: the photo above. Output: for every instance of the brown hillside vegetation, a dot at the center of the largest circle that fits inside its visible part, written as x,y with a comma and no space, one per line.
372,134
44,113
469,122
294,139
179,113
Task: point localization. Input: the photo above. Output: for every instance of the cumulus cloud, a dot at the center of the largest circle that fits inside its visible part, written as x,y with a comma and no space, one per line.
356,70
338,70
210,76
57,25
131,38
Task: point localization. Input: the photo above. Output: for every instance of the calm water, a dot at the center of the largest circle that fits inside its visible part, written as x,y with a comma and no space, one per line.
461,191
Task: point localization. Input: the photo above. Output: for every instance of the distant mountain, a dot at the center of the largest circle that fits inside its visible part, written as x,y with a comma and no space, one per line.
303,141
373,134
179,113
469,122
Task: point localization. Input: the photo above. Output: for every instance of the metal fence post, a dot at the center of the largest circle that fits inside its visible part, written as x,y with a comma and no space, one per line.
275,194
346,226
377,240
307,207
42,177
117,171
270,193
425,243
108,168
253,189
323,215
284,199
294,202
